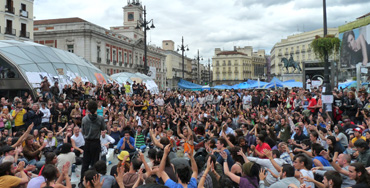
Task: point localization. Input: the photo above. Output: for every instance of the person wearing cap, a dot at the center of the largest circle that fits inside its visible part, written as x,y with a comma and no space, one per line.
123,159
357,135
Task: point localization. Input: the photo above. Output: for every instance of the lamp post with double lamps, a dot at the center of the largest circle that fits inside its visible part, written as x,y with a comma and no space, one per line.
327,96
198,58
183,48
145,24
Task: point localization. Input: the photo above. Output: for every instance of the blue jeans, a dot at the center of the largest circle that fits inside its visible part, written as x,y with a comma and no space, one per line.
142,148
38,164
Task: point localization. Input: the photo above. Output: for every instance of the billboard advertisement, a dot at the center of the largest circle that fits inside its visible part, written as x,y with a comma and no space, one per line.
355,47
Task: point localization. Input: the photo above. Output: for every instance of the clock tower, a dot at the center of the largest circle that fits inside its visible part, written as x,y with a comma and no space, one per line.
132,13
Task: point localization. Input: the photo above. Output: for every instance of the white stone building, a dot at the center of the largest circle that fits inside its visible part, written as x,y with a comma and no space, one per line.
109,51
16,20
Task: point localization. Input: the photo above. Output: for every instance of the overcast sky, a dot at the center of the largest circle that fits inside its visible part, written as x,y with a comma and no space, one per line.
210,24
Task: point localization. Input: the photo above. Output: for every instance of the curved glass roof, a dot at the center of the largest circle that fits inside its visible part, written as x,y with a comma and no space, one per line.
36,60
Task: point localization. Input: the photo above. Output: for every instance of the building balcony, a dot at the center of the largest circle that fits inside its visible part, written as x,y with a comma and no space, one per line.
114,62
280,54
98,59
224,72
24,34
309,50
9,9
9,31
224,64
108,61
303,50
120,63
286,53
297,51
23,13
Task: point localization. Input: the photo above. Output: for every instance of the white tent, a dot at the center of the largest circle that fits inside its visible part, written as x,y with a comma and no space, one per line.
124,77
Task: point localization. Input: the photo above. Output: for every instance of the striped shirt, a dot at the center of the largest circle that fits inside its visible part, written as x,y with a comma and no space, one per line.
140,140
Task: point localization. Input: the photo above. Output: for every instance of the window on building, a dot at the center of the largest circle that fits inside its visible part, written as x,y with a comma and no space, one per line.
23,7
114,55
98,52
9,27
119,56
130,60
70,48
108,54
23,32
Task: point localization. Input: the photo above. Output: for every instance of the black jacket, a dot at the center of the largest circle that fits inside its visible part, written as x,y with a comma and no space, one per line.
31,117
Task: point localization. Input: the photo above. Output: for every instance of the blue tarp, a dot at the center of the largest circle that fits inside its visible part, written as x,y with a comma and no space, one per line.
290,84
183,84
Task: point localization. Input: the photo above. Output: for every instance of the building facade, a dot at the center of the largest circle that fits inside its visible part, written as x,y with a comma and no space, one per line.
239,65
173,64
297,46
16,20
108,50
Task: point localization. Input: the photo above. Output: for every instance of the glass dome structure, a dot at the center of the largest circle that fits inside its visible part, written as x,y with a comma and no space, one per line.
24,64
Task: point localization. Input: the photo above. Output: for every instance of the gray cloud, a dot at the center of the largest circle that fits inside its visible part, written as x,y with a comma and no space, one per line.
209,24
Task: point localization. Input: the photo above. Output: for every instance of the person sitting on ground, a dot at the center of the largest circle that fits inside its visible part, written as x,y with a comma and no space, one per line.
51,173
183,172
7,175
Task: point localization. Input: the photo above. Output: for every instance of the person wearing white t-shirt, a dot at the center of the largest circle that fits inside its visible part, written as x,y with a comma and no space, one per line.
247,100
78,141
66,155
300,162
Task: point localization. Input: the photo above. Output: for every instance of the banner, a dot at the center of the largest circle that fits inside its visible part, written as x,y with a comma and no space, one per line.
355,47
100,78
152,73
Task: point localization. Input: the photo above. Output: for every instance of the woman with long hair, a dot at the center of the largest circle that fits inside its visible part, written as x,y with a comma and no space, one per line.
51,173
334,147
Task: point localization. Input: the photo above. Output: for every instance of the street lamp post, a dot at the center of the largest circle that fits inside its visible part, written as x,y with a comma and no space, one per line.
198,58
145,24
209,70
183,48
327,95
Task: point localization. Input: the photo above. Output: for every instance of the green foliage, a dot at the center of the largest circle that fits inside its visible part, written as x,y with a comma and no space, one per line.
329,43
354,78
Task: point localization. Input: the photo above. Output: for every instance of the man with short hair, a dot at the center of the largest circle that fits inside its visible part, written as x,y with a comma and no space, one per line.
221,145
363,152
17,115
46,117
91,126
300,164
266,163
182,172
127,143
33,116
286,178
341,166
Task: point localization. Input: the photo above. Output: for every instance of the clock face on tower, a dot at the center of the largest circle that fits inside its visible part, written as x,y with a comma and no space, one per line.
130,16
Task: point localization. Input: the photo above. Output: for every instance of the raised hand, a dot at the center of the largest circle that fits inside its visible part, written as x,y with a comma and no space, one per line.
96,181
262,174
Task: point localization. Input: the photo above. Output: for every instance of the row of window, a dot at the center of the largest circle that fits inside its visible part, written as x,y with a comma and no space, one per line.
9,30
70,48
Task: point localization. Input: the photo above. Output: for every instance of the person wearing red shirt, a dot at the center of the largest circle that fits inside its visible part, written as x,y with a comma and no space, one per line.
311,103
261,145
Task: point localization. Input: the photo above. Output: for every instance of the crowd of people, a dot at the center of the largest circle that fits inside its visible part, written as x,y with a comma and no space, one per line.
212,138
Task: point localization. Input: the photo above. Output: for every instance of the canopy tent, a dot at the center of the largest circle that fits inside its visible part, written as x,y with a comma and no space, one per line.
275,82
183,84
124,77
350,84
222,87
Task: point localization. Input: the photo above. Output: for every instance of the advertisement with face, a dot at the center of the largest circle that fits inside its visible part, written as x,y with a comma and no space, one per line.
355,47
